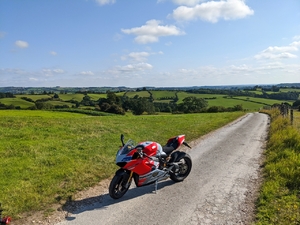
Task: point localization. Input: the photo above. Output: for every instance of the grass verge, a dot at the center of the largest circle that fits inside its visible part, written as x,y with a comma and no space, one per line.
279,200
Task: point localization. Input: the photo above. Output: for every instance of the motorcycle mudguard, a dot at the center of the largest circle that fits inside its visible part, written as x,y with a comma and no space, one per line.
121,172
176,156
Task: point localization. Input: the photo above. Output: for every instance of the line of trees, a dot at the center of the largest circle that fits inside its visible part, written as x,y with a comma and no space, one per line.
290,95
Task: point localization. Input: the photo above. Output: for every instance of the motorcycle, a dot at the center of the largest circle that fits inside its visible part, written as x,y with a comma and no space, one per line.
147,163
4,220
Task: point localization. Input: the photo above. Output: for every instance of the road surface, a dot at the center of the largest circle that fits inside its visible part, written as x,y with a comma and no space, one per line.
220,189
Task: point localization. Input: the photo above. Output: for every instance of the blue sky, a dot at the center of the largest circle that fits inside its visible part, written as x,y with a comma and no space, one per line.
136,43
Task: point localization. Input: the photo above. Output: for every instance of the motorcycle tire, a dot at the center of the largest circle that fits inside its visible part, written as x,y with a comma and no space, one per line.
117,186
183,170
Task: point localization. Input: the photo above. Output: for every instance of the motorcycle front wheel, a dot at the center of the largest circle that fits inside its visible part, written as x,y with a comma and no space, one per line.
118,186
185,166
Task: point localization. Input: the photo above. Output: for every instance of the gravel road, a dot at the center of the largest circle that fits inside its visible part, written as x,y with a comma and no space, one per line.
221,188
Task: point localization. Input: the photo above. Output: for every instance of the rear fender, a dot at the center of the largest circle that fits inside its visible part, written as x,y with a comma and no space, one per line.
176,156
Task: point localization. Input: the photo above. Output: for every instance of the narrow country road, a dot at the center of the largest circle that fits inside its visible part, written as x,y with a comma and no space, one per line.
219,190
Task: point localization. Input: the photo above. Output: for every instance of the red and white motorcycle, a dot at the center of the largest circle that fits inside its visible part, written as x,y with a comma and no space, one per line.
4,220
148,162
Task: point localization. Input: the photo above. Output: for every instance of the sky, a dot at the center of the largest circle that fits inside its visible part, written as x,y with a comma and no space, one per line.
140,43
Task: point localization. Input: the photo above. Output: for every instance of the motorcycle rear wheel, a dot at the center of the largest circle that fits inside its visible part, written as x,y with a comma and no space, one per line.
184,169
117,187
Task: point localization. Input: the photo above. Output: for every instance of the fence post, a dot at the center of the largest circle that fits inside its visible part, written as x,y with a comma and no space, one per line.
292,116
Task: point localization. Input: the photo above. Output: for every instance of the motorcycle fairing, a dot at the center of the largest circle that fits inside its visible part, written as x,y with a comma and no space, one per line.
150,177
149,147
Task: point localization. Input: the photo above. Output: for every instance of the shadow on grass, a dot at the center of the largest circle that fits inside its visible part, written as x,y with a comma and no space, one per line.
102,201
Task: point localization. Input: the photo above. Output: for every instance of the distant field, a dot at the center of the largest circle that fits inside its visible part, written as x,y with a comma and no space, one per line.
68,97
17,102
95,97
61,103
263,100
289,90
34,97
163,94
139,93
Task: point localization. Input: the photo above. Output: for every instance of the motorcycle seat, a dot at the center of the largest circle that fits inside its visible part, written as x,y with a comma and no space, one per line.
168,149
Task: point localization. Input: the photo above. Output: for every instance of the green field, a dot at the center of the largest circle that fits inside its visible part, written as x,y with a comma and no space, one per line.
46,157
262,100
17,102
68,97
131,94
34,97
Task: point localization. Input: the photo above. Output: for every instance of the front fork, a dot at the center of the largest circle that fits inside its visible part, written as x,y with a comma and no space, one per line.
129,180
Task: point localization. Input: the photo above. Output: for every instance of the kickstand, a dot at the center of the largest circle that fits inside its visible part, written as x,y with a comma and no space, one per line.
156,182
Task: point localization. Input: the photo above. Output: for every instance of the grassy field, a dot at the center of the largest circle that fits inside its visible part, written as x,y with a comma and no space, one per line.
262,100
139,93
45,157
68,97
34,97
16,102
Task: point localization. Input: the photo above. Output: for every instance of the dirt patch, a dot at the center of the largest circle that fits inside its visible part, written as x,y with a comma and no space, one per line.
58,213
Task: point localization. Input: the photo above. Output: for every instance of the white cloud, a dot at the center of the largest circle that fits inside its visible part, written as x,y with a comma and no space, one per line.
53,53
139,56
283,55
283,52
87,73
105,2
213,11
131,68
151,31
184,2
21,44
52,72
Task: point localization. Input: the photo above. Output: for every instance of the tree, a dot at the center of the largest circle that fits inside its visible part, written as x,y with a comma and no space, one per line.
296,103
140,105
192,104
55,96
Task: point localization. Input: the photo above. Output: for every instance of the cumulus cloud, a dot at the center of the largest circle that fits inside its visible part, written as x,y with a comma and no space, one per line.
87,73
139,56
52,72
105,2
53,53
151,31
184,2
213,11
131,68
136,67
21,44
283,52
